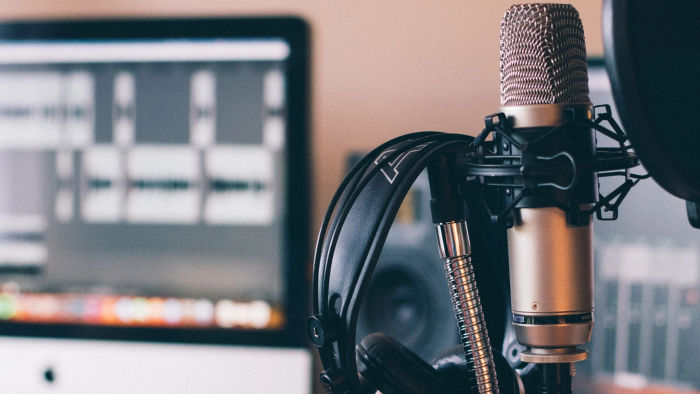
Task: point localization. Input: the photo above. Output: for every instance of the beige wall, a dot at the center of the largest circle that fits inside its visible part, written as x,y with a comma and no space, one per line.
380,68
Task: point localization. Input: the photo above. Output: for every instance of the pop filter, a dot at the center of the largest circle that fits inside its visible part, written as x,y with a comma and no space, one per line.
652,54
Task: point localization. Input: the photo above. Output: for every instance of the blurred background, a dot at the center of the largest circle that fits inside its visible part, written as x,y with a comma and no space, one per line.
379,69
382,69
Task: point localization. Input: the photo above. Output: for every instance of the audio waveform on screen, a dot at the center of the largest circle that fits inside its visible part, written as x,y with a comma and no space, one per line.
180,185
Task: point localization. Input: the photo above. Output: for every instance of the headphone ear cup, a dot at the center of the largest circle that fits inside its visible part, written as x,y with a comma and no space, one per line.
392,368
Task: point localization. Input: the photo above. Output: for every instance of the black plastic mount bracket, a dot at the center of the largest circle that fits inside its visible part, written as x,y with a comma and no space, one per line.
516,176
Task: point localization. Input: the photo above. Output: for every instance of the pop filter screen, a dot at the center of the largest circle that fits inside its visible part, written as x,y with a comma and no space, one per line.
652,53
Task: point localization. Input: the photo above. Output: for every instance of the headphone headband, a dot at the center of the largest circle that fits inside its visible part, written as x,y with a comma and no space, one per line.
352,236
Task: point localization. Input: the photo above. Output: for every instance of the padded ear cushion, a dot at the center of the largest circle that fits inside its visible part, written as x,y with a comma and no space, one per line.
392,368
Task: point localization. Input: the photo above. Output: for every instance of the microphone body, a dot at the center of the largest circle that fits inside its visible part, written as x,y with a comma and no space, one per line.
544,83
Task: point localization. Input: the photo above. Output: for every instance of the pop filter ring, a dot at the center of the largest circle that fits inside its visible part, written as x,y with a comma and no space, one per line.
658,157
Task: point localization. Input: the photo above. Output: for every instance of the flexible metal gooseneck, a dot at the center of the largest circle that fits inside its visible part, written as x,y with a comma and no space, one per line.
455,250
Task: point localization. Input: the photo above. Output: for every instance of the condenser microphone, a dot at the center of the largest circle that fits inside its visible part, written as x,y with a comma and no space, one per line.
544,84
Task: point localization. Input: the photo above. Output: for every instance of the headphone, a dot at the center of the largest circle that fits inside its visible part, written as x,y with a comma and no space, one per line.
350,240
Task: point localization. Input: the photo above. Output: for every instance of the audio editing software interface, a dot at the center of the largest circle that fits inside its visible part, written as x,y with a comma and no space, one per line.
142,183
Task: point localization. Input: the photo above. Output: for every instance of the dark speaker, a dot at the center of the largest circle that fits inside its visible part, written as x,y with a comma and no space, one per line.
408,297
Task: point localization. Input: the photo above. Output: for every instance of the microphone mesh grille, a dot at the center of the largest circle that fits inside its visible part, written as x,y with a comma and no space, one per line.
543,55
